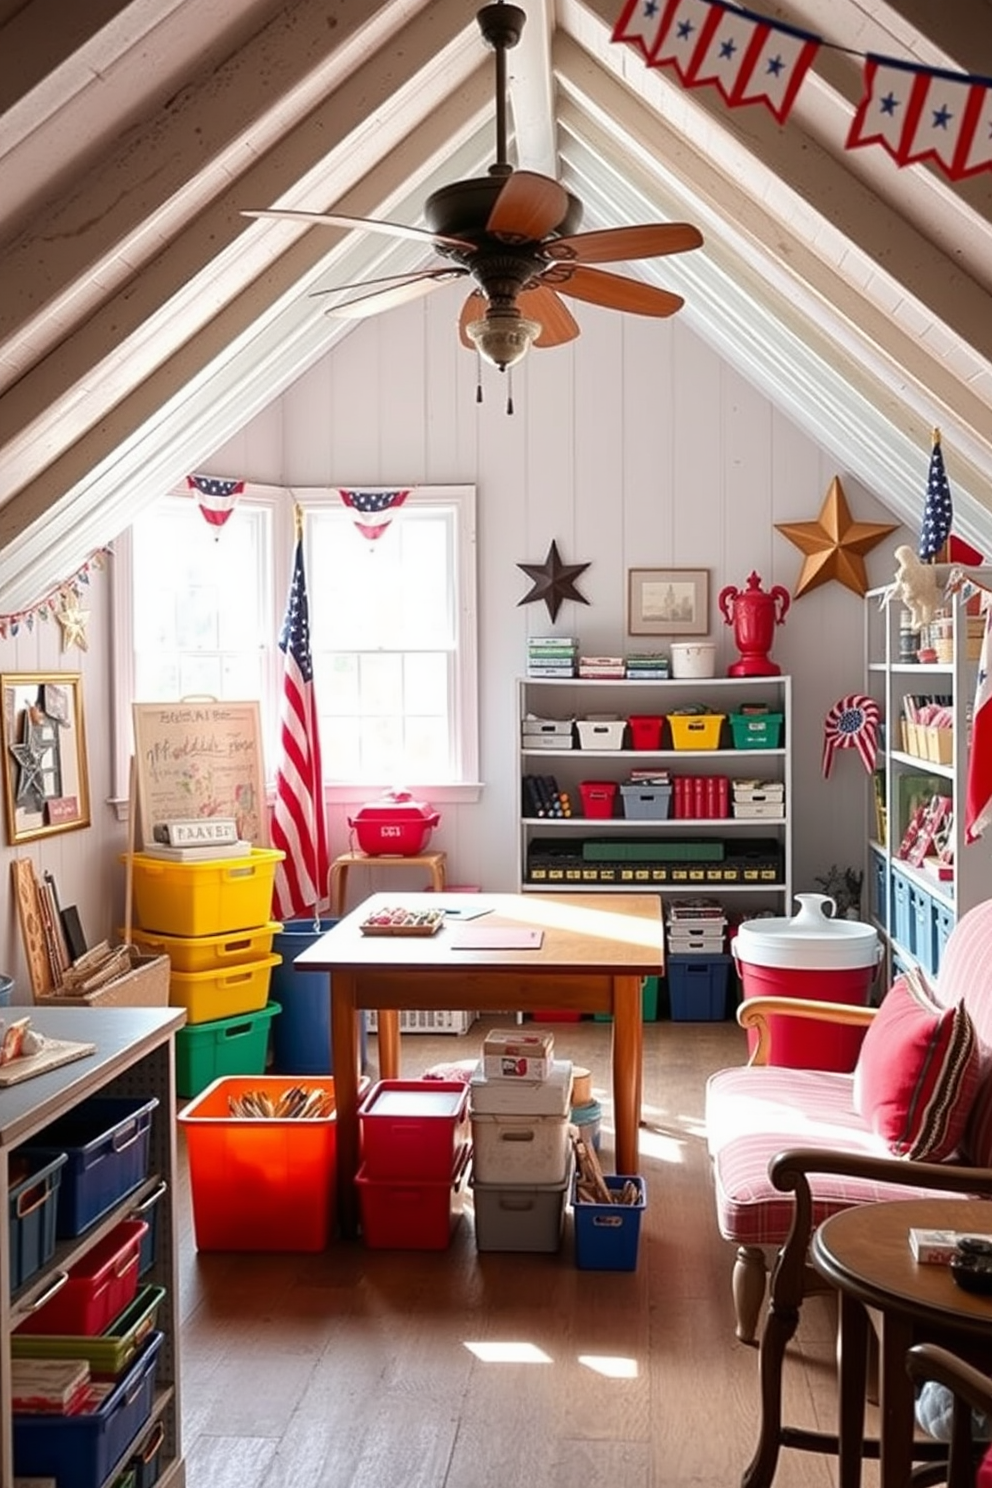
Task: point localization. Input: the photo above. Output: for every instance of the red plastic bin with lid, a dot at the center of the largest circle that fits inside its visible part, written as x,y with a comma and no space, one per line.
598,797
394,826
815,956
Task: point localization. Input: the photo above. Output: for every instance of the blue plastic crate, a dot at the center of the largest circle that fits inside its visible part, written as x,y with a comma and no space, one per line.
697,987
607,1235
106,1141
147,1460
32,1206
903,922
943,925
878,889
924,929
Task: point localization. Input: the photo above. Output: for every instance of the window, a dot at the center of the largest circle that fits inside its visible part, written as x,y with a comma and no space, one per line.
392,622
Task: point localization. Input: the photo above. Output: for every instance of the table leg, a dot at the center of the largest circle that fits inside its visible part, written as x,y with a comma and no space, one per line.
337,887
628,1051
852,1361
347,1055
896,1402
389,1043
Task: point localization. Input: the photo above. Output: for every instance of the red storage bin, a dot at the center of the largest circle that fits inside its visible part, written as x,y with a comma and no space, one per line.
412,1214
414,1128
100,1286
598,797
645,731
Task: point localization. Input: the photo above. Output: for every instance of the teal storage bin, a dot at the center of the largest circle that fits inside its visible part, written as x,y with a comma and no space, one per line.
697,987
301,1040
223,1046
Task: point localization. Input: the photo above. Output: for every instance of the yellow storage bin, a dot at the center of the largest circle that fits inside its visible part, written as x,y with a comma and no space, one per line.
209,898
209,995
209,952
696,730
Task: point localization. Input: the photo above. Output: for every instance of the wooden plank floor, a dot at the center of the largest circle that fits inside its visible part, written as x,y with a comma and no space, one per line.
364,1368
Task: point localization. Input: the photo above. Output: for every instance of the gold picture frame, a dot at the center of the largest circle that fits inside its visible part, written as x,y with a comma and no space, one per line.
45,771
668,601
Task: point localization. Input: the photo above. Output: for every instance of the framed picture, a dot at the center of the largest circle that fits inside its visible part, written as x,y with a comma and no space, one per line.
668,601
45,776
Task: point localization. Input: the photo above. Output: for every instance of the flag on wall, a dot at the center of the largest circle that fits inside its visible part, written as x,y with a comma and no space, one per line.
978,794
215,498
373,504
938,510
918,113
299,827
747,57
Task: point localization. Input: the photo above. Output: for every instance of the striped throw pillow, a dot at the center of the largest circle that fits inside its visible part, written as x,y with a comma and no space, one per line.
917,1074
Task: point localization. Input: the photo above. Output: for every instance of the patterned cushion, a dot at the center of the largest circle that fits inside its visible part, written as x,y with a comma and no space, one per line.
917,1074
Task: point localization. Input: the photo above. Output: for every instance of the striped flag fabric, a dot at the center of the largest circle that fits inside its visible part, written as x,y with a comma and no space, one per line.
919,113
215,497
938,510
373,504
978,791
299,826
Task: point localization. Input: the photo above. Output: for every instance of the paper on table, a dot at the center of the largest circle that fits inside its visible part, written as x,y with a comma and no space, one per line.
497,938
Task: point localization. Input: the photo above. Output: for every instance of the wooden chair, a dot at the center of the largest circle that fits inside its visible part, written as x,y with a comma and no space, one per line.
790,1147
972,1391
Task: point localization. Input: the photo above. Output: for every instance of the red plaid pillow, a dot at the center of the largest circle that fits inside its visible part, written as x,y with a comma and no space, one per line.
917,1074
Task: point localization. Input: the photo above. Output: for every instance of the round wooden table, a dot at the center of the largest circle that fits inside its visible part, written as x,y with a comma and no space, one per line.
865,1253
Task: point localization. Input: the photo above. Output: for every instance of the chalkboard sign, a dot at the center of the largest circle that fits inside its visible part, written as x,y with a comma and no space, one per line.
195,759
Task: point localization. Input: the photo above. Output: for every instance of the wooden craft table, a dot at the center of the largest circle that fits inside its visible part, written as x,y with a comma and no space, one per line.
337,878
595,950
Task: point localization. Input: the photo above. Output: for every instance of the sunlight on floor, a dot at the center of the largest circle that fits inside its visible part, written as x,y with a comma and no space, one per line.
508,1353
611,1368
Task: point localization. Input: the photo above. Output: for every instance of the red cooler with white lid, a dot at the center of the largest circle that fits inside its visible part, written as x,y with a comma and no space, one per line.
812,955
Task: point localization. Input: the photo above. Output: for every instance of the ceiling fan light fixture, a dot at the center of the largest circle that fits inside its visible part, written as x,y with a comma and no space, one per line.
503,337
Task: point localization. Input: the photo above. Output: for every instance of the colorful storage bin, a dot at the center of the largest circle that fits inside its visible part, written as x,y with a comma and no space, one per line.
98,1287
697,987
106,1140
412,1213
645,731
696,730
607,1236
414,1129
32,1207
210,995
209,952
259,1183
756,730
214,897
598,797
108,1353
223,1046
646,802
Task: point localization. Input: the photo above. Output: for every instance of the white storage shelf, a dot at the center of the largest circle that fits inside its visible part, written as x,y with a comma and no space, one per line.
576,698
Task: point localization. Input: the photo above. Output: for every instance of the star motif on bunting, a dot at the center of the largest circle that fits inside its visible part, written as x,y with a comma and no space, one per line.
834,545
553,581
73,621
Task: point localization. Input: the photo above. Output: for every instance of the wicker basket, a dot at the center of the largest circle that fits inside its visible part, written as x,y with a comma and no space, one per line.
145,985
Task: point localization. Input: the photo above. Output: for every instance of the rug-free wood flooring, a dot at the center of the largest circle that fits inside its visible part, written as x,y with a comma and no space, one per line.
360,1368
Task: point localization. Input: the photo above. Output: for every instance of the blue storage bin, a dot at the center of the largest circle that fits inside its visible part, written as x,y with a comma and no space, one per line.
921,909
943,925
607,1235
878,885
147,1460
79,1451
148,1210
106,1141
697,987
301,1035
32,1205
903,922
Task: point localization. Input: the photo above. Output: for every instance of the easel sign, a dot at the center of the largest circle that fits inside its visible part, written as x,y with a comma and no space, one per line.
198,759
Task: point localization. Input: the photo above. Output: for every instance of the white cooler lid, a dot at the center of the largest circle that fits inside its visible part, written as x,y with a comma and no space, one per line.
502,1097
812,940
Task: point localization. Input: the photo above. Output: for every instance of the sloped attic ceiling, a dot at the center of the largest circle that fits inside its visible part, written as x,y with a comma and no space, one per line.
143,319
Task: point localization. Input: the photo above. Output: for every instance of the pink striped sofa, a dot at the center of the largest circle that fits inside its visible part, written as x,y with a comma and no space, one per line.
789,1147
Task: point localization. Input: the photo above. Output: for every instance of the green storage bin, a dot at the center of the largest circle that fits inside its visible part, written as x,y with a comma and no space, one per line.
225,1046
756,730
683,850
107,1353
649,1002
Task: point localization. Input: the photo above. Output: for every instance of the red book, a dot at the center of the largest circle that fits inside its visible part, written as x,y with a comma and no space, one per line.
698,797
722,795
710,797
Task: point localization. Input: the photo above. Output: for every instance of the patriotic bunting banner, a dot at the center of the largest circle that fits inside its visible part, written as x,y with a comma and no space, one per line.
53,603
916,113
373,504
215,498
978,795
852,723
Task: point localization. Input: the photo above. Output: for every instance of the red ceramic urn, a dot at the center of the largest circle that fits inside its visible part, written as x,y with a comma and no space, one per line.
754,614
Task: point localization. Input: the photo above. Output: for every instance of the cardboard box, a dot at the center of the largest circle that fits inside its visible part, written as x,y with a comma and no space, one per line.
509,1054
935,1247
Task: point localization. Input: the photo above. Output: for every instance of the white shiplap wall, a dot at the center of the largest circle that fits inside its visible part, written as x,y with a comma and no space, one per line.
636,446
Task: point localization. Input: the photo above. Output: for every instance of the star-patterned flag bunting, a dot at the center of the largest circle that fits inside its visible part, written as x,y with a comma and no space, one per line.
919,113
215,497
553,581
749,58
938,512
852,723
373,503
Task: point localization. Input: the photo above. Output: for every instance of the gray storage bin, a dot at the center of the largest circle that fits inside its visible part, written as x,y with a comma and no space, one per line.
525,1216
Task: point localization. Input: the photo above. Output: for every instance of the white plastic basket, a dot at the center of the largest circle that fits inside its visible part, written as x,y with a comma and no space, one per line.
431,1021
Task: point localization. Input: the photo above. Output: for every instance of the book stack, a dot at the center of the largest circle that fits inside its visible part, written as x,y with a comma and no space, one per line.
647,666
551,656
196,840
541,797
601,666
701,797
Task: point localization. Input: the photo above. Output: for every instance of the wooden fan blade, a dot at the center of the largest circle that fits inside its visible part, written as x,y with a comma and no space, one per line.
443,274
474,308
368,224
557,322
528,208
598,287
387,299
623,244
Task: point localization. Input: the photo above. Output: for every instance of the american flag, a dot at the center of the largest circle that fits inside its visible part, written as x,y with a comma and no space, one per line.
215,497
299,827
938,513
373,503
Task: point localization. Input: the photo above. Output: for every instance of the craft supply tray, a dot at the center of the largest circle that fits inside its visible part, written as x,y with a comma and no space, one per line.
403,922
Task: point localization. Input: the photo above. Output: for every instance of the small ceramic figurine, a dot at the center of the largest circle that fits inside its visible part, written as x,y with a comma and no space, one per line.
916,586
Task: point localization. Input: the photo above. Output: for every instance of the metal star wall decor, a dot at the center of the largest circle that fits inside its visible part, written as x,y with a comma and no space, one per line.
554,581
834,545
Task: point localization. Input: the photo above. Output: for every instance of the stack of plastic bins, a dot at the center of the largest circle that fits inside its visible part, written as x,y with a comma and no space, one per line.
415,1153
698,969
522,1158
211,918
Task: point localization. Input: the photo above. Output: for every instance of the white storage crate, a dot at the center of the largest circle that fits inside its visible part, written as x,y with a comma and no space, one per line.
759,790
430,1021
755,809
601,733
519,1149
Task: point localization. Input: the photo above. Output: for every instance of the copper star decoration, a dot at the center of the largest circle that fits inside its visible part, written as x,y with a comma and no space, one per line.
834,545
553,581
73,621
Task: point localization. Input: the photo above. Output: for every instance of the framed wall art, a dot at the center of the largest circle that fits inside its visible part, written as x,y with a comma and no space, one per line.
45,774
667,601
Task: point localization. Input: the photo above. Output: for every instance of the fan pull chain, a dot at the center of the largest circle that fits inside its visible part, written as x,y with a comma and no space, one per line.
509,390
478,376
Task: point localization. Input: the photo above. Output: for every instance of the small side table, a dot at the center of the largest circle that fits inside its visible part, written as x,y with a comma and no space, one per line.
337,879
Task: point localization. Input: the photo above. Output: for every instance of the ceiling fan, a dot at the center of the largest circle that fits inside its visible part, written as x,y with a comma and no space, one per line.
514,233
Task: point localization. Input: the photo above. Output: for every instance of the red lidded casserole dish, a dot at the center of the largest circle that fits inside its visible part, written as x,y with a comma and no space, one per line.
396,825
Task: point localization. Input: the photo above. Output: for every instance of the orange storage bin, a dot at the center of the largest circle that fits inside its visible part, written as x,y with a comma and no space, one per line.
260,1183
